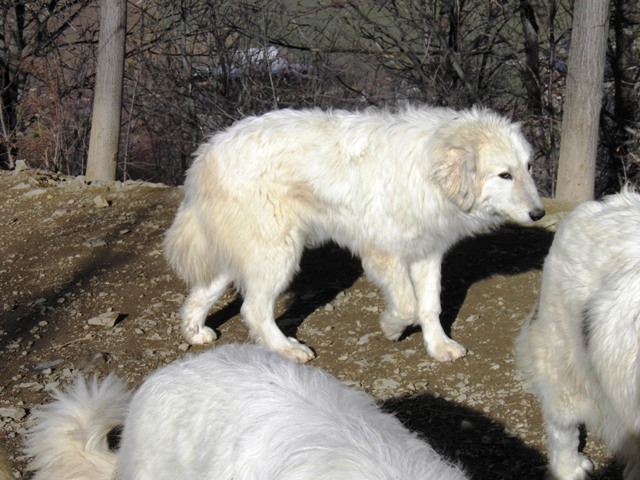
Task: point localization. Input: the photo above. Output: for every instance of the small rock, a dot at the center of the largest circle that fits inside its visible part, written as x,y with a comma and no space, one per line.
21,166
100,202
48,365
183,347
94,242
466,425
35,192
106,319
382,386
13,413
51,386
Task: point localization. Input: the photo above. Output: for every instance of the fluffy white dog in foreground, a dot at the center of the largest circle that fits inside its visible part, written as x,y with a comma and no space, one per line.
237,412
580,348
397,189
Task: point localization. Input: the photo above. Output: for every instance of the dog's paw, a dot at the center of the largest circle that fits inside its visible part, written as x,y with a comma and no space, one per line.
446,350
577,469
392,331
200,336
296,351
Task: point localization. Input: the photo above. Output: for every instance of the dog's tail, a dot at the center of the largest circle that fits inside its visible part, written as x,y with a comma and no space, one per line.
187,250
70,437
524,346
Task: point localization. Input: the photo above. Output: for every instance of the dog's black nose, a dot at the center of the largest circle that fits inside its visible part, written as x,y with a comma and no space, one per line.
537,214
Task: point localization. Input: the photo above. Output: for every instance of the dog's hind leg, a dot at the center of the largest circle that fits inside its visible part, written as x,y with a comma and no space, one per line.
268,274
196,308
391,274
257,311
426,280
565,462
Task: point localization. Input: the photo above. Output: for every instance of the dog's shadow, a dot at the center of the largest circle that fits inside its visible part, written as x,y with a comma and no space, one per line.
480,445
325,271
511,250
329,270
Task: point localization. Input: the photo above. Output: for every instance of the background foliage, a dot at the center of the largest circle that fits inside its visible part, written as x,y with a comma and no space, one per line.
194,66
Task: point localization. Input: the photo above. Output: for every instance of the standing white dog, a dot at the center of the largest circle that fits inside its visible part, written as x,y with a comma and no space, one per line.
580,348
237,412
397,189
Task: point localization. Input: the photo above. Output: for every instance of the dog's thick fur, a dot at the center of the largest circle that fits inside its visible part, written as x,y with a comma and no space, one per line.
397,189
580,348
235,412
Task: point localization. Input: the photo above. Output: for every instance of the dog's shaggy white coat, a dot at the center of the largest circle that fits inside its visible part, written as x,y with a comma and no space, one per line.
396,188
580,348
237,412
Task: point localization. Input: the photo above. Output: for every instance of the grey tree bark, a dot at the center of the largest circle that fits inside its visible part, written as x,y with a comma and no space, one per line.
583,100
107,102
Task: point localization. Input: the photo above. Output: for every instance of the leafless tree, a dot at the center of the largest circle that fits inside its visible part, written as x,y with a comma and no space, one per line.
107,105
29,32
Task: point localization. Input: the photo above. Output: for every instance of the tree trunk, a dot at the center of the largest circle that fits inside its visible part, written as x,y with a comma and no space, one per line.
107,100
583,100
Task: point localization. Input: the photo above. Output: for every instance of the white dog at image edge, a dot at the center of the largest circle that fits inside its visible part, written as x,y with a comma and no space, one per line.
398,189
580,349
237,412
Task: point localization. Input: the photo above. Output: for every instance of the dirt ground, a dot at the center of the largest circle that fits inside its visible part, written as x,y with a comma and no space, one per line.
70,252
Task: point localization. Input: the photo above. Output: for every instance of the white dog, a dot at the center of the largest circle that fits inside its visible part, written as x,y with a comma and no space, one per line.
397,189
237,412
580,348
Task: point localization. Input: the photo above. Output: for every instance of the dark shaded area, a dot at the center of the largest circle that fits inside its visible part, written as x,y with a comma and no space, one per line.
478,444
510,250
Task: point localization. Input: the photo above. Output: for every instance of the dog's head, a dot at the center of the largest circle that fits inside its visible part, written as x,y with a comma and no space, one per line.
483,164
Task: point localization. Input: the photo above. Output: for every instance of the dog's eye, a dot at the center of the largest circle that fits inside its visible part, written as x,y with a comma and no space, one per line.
505,175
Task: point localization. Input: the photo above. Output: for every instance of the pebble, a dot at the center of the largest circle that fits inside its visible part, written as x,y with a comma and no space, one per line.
106,319
94,242
100,202
48,365
21,166
13,413
35,192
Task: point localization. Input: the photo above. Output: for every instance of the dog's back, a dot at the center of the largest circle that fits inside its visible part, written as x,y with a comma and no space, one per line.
234,412
242,412
580,350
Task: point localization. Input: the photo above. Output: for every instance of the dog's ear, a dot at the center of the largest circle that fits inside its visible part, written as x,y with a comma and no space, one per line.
454,171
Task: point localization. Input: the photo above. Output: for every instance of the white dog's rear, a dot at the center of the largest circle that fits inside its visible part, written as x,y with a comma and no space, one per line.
235,412
397,189
580,348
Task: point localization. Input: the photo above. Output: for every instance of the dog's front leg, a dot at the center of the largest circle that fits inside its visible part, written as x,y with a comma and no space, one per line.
425,275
